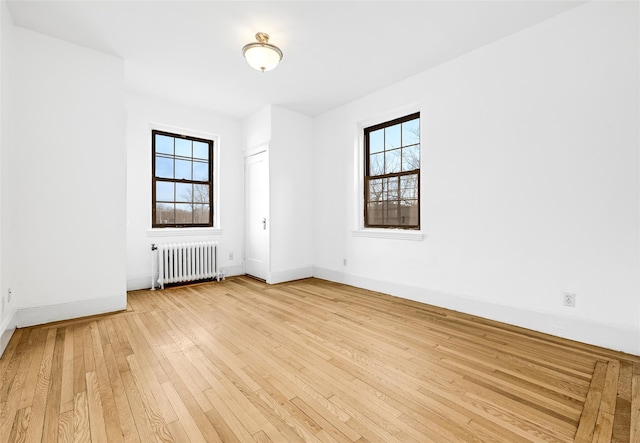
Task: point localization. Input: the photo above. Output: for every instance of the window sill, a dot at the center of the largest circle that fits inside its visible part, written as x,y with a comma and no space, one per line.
395,234
182,232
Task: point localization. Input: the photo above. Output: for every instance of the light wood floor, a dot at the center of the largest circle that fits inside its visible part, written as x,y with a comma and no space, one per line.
307,361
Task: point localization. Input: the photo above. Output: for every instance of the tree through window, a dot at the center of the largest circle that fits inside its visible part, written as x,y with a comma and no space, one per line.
182,184
392,174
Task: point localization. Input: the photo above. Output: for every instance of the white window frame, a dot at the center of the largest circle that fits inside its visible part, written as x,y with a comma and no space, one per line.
359,229
191,231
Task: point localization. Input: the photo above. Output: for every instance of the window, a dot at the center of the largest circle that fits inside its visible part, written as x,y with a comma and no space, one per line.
182,183
392,174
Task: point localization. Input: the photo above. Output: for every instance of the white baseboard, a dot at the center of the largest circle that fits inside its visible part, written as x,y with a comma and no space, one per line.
144,281
7,328
611,336
64,311
289,275
141,282
230,271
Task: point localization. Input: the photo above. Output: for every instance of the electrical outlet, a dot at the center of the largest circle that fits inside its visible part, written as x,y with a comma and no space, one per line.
344,262
230,255
569,299
9,296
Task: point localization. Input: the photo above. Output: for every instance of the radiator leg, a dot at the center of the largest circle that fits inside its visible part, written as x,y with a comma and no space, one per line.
153,266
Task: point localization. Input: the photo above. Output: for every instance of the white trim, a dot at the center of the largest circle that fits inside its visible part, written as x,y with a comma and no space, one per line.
358,158
216,161
612,336
182,232
38,315
262,149
230,271
7,329
395,234
142,282
137,283
289,275
388,116
256,149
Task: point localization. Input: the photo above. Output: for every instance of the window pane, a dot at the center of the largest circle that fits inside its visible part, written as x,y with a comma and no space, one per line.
184,192
182,180
201,213
409,187
375,190
409,213
201,150
183,169
375,214
183,147
411,132
200,171
391,188
390,213
392,137
376,141
164,144
164,213
184,214
164,191
164,167
393,153
392,161
411,158
376,164
200,193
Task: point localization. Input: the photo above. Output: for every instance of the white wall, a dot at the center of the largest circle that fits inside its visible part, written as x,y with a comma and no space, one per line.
530,184
290,200
142,114
256,130
288,136
7,310
63,181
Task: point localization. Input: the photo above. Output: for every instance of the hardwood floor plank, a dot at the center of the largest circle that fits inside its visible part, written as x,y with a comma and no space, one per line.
143,426
604,422
19,384
635,404
307,361
65,426
79,381
186,420
96,410
589,416
123,408
87,348
113,426
622,413
38,408
81,426
52,413
12,347
12,365
66,387
143,384
20,425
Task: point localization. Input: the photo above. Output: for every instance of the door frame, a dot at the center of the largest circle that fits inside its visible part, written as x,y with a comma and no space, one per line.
257,150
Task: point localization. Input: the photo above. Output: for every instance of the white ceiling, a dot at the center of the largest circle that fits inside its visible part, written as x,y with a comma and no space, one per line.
334,51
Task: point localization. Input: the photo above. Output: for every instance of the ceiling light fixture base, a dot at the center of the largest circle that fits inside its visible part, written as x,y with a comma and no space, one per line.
262,55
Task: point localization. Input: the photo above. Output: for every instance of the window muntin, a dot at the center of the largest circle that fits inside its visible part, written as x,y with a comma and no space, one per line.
182,181
392,174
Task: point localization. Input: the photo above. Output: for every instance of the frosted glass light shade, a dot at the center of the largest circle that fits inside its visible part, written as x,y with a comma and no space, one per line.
262,56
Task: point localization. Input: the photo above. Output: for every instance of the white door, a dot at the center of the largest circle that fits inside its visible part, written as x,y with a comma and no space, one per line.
256,243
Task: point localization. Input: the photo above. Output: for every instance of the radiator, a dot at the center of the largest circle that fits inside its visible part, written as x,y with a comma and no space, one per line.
183,262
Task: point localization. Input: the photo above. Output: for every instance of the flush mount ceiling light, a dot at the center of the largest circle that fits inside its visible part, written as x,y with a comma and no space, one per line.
262,55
